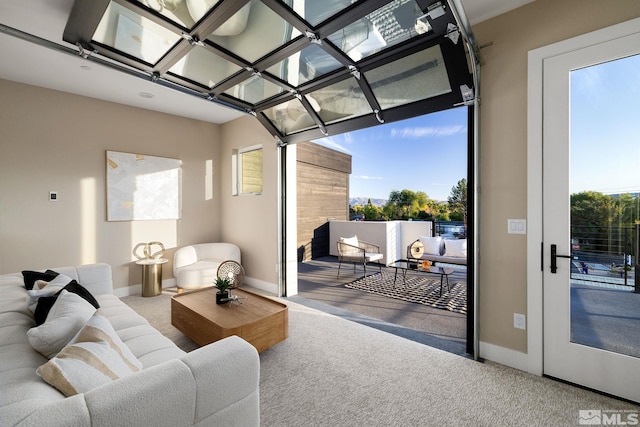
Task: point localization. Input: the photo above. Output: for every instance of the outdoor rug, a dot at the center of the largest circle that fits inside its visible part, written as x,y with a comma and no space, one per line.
418,288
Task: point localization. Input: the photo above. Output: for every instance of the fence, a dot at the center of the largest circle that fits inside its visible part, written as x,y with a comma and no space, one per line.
602,251
450,229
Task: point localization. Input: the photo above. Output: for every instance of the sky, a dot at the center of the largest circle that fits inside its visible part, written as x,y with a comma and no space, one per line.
426,153
429,153
605,127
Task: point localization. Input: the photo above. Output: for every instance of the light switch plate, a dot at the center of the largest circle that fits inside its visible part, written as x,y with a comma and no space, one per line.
519,321
517,226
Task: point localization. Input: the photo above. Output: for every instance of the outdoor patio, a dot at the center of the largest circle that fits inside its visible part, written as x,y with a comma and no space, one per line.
319,287
604,314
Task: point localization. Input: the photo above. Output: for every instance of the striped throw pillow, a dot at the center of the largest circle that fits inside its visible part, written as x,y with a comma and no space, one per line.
95,356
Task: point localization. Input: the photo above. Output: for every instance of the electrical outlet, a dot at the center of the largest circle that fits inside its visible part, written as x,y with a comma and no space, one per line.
519,321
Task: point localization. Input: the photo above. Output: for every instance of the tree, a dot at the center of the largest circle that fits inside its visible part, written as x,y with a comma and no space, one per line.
598,221
406,204
458,201
371,212
438,210
356,210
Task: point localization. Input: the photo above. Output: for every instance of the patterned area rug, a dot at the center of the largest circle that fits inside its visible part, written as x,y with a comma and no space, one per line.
421,289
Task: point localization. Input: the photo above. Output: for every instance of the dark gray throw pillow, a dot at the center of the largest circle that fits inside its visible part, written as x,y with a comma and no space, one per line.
30,277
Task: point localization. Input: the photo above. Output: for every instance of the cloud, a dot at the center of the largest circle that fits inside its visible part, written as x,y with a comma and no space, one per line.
332,143
428,131
348,138
587,80
367,177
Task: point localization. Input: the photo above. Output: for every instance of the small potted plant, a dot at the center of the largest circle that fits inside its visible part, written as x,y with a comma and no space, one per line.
222,284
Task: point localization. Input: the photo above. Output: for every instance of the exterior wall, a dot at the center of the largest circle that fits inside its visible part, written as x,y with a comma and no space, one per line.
323,193
393,237
251,221
52,140
503,161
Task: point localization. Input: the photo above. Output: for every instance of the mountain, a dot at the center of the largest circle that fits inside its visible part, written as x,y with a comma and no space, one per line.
362,201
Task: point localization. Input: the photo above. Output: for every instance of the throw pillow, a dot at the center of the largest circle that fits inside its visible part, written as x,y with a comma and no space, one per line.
43,308
456,248
45,303
67,316
349,250
353,241
95,356
432,245
30,277
52,287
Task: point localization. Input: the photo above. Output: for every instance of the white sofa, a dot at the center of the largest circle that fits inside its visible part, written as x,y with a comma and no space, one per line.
213,385
195,266
448,251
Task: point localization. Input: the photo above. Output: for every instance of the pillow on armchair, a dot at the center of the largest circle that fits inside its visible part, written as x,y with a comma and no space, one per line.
351,241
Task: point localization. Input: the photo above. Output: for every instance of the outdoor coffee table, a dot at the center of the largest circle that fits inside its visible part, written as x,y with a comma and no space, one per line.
414,265
261,321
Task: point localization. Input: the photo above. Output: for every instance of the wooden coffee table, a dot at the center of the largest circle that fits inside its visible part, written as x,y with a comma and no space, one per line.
261,321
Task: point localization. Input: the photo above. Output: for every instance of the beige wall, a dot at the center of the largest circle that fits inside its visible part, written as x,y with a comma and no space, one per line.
503,175
56,141
52,140
251,221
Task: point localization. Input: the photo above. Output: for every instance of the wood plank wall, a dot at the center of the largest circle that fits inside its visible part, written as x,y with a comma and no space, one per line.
323,193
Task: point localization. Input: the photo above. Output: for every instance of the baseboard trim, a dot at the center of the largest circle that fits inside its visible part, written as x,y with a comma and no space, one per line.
271,288
137,289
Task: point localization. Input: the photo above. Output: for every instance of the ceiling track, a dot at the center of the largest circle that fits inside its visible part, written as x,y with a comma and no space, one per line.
92,56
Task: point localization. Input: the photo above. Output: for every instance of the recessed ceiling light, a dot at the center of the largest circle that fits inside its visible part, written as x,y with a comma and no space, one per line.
146,95
85,67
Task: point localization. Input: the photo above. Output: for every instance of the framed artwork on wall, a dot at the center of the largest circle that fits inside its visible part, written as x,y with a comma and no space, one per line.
142,187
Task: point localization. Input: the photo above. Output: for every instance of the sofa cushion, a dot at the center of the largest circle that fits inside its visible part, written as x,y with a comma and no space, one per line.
146,343
45,303
67,316
432,245
456,248
30,277
95,356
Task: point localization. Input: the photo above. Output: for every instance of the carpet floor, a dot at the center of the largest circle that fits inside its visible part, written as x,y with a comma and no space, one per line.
334,372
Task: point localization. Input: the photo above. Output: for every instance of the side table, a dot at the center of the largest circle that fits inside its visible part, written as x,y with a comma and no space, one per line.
151,276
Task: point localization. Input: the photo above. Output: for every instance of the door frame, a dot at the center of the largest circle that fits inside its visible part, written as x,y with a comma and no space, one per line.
535,261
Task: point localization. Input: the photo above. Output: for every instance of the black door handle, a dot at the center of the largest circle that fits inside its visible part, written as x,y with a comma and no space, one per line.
554,257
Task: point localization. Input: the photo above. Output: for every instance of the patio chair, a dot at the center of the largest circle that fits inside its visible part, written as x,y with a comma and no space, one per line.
358,252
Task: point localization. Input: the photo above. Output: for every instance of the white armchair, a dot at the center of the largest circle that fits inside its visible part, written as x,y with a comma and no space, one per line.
196,266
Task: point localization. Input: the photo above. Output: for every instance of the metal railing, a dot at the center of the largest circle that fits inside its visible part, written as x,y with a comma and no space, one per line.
606,252
455,229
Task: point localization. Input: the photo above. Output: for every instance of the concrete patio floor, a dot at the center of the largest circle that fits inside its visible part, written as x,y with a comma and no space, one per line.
319,287
602,316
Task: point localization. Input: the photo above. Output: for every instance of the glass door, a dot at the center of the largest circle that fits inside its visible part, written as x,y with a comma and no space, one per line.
591,193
